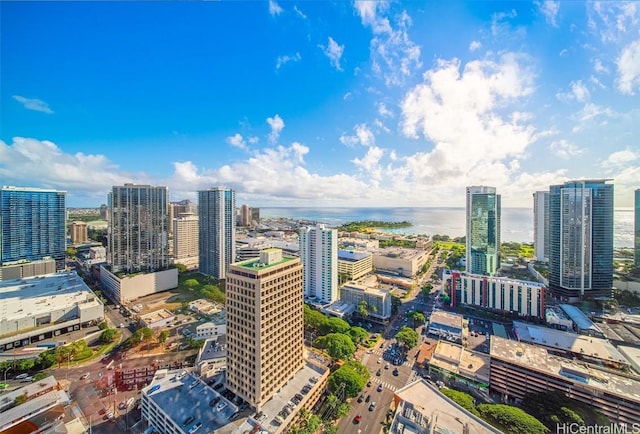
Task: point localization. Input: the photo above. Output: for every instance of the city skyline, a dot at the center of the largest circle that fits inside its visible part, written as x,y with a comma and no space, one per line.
300,104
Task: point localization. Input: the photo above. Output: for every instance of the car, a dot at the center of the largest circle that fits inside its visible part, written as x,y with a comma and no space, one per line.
214,401
357,419
21,376
121,325
187,421
85,376
370,352
386,366
378,372
379,360
360,398
26,380
372,406
379,389
221,406
368,398
122,405
369,383
382,345
395,372
195,428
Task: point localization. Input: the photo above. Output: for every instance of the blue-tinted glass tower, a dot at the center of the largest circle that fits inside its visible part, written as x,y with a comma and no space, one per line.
581,239
483,230
217,230
33,225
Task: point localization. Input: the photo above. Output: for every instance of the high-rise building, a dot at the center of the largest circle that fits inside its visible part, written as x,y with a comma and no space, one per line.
637,228
255,214
185,240
78,233
217,233
138,228
104,211
184,207
483,230
581,238
264,325
319,256
33,225
244,216
541,225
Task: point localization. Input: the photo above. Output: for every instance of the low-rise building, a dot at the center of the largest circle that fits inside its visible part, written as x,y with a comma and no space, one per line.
421,409
556,318
212,329
465,366
522,297
518,368
122,288
403,261
446,325
378,301
581,323
41,408
204,307
353,264
212,357
45,307
24,269
157,319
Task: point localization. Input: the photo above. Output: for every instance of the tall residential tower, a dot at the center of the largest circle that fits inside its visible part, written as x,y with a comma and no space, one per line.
138,237
264,325
581,239
217,230
541,225
319,256
483,230
32,221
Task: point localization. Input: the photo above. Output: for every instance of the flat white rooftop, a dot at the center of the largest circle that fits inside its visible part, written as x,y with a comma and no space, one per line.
34,296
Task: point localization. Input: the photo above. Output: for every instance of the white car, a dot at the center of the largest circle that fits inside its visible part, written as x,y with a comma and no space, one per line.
221,406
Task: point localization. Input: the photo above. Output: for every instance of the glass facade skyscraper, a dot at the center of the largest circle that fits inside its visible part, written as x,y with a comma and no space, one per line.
138,238
33,225
581,239
217,230
483,230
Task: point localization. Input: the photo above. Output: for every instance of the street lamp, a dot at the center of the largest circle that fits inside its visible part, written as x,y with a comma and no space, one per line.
5,373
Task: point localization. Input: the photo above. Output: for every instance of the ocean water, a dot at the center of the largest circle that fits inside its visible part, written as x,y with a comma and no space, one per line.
517,223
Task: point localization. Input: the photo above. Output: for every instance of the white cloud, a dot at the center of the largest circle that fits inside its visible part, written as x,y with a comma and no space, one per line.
500,27
363,136
384,111
599,67
579,92
629,68
283,60
33,104
550,10
299,12
474,45
42,163
253,140
274,8
370,163
333,51
394,55
464,113
277,124
237,141
612,21
565,150
563,52
347,96
619,159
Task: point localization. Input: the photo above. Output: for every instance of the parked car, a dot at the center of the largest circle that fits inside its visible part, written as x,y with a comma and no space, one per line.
85,376
372,406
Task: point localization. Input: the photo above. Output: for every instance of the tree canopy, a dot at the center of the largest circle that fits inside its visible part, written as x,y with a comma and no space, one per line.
554,407
351,375
407,337
338,345
513,419
358,335
108,335
334,325
464,400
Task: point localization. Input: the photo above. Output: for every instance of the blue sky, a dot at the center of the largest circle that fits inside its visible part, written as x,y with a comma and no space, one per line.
319,103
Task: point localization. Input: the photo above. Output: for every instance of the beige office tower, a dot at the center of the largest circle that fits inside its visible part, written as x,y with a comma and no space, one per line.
264,325
78,232
185,240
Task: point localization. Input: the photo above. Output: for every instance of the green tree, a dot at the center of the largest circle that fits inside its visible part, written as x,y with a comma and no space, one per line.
25,364
339,346
396,302
163,336
40,375
464,400
146,335
343,410
512,419
417,317
63,354
103,325
407,337
352,380
329,428
554,407
335,325
46,359
358,335
191,283
313,318
181,268
108,336
363,309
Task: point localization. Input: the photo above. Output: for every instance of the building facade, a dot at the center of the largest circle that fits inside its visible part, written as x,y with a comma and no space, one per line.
32,221
378,301
483,230
581,239
185,240
541,225
264,325
498,293
217,230
352,264
138,234
319,256
78,233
